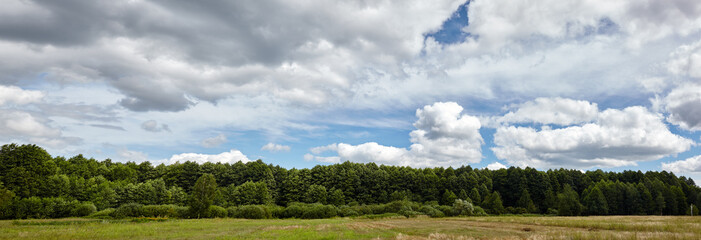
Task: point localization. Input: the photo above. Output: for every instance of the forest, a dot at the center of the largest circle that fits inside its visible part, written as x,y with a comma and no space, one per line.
33,184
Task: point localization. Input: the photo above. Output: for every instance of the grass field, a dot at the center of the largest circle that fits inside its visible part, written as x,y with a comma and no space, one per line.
498,227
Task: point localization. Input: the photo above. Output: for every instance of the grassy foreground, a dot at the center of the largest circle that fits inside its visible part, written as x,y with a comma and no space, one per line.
498,227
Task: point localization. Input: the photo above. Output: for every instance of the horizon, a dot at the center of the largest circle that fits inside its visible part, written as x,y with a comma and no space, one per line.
488,84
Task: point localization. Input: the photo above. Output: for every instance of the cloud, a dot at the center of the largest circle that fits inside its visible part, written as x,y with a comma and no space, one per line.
615,138
495,166
684,106
560,111
106,126
689,165
23,126
16,95
443,137
213,141
152,126
271,147
226,157
134,156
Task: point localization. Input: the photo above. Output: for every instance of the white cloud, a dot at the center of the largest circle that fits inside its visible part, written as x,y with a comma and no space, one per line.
686,60
272,147
640,21
615,138
225,157
692,164
214,141
684,106
561,111
129,155
495,166
152,126
13,94
443,137
24,127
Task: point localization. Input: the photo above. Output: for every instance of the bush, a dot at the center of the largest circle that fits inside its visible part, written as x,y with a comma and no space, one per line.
398,206
84,209
316,211
552,211
129,210
347,212
377,208
216,212
276,211
252,212
160,211
232,211
431,211
104,213
293,211
479,211
362,209
410,213
447,210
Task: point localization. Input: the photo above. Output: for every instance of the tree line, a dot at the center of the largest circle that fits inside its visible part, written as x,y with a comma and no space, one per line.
33,184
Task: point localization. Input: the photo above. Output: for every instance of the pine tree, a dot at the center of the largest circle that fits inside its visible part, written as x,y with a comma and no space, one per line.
525,202
568,202
448,197
595,202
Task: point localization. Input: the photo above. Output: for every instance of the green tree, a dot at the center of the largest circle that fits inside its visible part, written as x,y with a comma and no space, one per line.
568,202
525,202
475,195
252,193
448,197
6,199
493,203
336,197
316,194
24,168
595,202
203,194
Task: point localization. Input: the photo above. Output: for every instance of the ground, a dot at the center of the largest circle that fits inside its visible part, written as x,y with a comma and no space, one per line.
500,227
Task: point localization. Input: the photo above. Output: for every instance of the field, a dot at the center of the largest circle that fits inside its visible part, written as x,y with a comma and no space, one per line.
498,227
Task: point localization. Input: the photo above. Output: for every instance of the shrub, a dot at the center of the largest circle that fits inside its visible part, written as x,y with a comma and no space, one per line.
232,211
552,211
276,211
84,209
216,212
252,212
463,208
129,210
377,208
398,206
431,211
447,210
410,213
316,211
104,213
293,211
347,212
160,211
479,211
362,209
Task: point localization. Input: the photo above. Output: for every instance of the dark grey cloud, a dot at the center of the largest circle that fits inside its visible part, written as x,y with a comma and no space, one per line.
152,126
106,126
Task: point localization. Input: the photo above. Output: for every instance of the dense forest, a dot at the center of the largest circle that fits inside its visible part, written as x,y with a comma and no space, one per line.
33,184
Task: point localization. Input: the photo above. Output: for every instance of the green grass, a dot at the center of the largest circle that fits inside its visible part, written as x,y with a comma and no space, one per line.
498,227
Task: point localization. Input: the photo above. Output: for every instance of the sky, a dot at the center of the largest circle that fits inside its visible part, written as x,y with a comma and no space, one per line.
612,85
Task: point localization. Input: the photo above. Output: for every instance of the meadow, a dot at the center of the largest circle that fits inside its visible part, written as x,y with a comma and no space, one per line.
492,227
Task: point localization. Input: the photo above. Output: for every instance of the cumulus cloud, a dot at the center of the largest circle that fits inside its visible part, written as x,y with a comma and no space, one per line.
231,156
689,165
560,111
16,95
615,138
19,125
495,166
272,147
129,155
684,106
152,126
443,137
213,141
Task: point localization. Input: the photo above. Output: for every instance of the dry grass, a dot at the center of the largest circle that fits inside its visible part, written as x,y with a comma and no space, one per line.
500,227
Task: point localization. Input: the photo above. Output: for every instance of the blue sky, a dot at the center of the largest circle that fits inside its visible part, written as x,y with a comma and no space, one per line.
546,84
